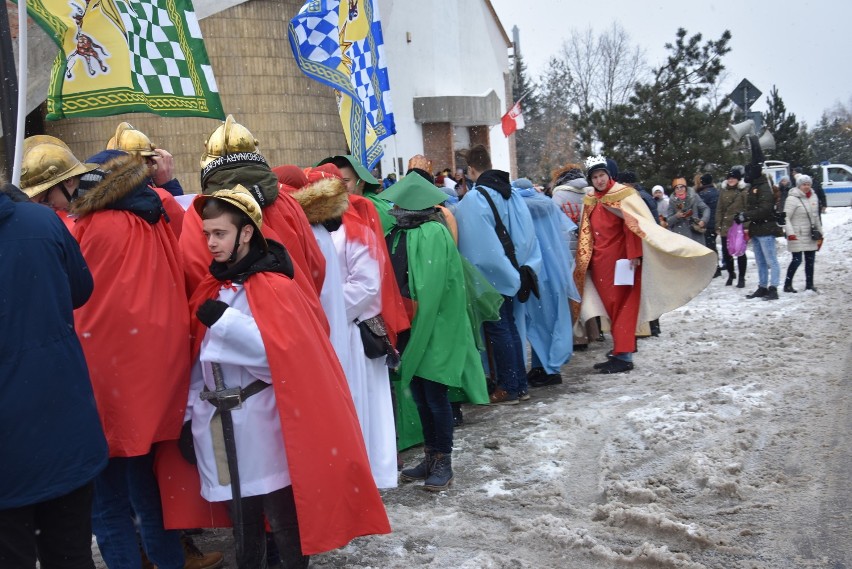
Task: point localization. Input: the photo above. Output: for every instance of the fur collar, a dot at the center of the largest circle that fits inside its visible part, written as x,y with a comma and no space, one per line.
125,174
323,200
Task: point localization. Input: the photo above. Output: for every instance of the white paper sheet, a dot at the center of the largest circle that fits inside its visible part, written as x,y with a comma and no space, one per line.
623,273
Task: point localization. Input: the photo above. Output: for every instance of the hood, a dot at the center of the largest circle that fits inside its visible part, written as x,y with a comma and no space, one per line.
123,188
275,259
323,200
497,180
577,186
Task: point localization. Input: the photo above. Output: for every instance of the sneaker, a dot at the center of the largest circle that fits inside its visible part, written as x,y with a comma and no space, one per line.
524,396
549,379
615,365
502,397
195,559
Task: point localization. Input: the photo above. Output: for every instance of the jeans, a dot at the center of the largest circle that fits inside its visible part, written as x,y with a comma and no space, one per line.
507,349
57,531
436,414
810,258
279,508
127,492
768,270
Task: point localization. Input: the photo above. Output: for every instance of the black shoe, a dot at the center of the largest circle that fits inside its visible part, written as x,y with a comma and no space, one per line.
741,282
458,416
730,280
812,289
535,373
771,293
615,365
441,474
718,272
549,379
654,325
421,471
581,347
602,364
759,293
789,288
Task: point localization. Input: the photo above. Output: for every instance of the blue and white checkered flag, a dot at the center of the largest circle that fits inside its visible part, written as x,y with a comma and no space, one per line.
341,44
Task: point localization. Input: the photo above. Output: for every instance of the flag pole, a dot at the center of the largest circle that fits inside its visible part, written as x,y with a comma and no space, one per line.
8,90
22,91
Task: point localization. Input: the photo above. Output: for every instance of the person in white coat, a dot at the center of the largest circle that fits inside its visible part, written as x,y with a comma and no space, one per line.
802,219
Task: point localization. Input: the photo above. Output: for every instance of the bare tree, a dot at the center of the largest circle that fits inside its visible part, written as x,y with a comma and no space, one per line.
604,68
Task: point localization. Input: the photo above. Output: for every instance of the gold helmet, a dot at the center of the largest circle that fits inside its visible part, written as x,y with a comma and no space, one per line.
228,138
48,161
239,197
131,141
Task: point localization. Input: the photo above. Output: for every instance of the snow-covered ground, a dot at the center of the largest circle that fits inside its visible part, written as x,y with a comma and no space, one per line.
727,447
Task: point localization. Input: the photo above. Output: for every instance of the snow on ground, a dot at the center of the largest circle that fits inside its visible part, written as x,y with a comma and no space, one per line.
727,447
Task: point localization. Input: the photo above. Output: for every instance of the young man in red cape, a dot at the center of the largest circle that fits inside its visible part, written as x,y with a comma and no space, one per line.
302,461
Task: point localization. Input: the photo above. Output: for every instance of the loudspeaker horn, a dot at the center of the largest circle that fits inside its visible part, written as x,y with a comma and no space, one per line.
739,130
767,141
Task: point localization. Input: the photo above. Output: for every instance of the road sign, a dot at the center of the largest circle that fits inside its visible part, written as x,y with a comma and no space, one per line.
745,94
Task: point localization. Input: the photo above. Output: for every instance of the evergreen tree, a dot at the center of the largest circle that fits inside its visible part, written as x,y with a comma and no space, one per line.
668,128
528,140
791,141
832,140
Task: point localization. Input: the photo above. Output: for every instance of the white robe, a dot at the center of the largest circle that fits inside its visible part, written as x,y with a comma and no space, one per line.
368,379
234,341
331,298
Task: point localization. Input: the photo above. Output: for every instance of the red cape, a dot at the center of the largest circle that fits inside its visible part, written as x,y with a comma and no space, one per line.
283,221
134,329
393,307
173,210
336,497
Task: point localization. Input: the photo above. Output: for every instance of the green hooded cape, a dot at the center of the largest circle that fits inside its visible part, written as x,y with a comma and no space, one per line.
441,347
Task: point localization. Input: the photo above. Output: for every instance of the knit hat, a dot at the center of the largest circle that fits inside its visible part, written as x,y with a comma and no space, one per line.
414,193
248,169
290,176
341,160
706,179
658,188
679,182
628,177
94,177
734,173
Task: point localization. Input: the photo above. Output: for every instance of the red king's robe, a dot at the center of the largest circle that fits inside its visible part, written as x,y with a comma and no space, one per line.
336,497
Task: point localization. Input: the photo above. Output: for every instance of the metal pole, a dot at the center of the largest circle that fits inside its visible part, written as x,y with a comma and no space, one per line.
22,91
8,90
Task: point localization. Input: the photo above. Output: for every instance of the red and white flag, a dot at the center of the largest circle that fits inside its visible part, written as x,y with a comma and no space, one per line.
513,120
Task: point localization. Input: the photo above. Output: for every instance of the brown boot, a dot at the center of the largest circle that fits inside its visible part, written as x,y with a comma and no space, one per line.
195,559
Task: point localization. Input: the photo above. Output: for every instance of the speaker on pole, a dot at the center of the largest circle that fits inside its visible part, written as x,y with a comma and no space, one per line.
741,129
767,141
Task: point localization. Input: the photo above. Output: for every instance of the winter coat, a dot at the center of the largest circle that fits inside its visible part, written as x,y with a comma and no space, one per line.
135,329
802,213
760,210
569,198
649,201
52,437
683,225
710,196
732,200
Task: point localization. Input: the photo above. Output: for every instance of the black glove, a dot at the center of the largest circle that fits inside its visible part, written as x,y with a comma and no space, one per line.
529,283
211,311
186,444
740,218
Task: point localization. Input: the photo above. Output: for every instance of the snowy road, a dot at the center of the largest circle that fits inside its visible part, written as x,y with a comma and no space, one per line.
727,447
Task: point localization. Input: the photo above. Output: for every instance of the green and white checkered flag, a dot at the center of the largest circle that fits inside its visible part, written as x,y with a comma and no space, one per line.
120,56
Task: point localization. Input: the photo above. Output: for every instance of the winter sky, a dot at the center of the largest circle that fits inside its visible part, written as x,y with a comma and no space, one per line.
800,46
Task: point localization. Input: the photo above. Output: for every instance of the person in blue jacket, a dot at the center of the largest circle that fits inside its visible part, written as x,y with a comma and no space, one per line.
53,444
480,244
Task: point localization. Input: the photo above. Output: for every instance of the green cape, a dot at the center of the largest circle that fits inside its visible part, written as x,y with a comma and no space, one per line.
441,347
383,207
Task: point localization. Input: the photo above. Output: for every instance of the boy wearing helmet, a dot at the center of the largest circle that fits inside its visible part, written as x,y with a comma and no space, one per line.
299,451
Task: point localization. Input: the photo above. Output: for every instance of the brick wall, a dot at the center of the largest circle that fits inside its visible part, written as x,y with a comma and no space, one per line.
293,117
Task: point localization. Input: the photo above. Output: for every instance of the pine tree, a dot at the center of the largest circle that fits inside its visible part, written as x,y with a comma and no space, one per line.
668,128
832,140
528,140
791,141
